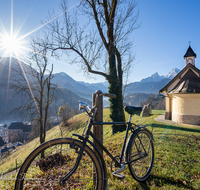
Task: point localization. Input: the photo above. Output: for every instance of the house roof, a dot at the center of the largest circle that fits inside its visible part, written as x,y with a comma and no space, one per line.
6,149
189,52
17,144
20,125
188,66
16,125
190,83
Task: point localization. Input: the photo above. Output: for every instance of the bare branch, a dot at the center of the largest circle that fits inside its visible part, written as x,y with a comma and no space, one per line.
35,86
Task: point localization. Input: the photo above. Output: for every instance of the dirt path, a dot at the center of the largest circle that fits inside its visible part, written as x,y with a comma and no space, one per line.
161,119
9,173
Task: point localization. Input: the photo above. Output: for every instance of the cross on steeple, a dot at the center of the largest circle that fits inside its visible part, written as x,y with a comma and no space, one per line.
189,43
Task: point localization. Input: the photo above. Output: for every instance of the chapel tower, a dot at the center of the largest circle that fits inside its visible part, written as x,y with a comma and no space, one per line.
189,56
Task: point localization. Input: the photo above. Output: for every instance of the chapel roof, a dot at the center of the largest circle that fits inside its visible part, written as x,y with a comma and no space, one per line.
190,83
190,53
178,76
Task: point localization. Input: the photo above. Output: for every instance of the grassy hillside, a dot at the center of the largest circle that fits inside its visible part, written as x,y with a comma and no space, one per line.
177,154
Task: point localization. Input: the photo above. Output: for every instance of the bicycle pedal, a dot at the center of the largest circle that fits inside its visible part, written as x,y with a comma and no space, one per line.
118,175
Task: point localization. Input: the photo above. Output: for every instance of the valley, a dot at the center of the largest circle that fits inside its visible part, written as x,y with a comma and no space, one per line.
72,91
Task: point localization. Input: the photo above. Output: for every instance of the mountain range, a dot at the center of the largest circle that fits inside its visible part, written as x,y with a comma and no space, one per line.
80,88
72,91
9,101
157,78
149,85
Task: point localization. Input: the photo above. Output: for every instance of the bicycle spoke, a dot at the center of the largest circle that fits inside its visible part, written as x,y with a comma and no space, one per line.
57,161
141,155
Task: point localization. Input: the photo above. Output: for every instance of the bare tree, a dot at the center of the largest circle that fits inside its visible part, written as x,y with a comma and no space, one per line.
65,112
34,85
103,50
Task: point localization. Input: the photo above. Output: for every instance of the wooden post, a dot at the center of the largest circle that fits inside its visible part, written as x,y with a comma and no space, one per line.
16,164
98,129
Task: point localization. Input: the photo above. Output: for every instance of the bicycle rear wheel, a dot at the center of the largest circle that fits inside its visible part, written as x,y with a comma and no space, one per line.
58,158
141,155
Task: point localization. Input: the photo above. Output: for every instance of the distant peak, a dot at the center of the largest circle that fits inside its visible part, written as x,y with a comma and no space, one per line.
153,78
156,77
175,70
63,74
155,74
173,73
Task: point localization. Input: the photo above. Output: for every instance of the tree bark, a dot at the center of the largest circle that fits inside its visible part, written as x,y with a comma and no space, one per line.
115,87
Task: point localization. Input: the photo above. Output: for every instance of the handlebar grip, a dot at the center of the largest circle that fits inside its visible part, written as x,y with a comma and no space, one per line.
108,95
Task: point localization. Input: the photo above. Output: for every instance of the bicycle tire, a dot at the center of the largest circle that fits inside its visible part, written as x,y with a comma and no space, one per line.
140,169
88,175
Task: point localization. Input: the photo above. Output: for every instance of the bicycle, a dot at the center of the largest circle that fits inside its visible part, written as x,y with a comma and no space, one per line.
69,163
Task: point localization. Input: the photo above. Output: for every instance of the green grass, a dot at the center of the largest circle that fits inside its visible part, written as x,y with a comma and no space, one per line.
177,154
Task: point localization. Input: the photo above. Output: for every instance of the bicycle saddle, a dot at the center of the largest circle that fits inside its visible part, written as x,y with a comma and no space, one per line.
133,110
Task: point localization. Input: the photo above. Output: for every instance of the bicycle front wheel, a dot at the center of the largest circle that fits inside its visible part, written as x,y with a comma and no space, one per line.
58,158
140,155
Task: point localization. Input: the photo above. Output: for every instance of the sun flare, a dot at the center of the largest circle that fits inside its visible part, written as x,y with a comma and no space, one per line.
11,44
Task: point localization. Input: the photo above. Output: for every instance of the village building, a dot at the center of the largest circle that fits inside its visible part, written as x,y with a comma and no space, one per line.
5,133
16,128
182,93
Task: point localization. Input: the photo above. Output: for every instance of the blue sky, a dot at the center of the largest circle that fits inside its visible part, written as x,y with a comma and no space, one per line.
160,43
162,40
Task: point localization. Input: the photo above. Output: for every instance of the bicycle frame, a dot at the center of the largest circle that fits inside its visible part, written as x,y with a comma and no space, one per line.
89,133
85,139
129,124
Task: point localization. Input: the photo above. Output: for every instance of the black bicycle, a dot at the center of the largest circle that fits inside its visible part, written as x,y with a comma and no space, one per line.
69,163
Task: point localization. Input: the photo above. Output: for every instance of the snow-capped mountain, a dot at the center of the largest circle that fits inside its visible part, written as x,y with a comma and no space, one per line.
153,78
152,84
172,73
156,77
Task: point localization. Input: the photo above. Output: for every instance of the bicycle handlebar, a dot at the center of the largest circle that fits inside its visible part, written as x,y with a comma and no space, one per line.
84,106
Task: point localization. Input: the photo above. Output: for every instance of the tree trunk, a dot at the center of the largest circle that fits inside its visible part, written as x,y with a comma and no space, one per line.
42,140
115,87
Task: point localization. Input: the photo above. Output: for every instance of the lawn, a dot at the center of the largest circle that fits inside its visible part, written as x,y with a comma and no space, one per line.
177,154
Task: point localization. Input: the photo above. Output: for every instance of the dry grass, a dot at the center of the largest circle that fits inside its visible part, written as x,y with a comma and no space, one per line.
177,154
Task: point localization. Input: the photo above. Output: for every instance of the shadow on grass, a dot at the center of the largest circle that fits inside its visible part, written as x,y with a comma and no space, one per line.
176,128
163,181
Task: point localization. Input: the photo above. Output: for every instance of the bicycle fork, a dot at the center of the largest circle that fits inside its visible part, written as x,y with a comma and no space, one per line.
80,154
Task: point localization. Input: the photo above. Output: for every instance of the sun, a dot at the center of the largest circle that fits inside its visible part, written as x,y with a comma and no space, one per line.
11,44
